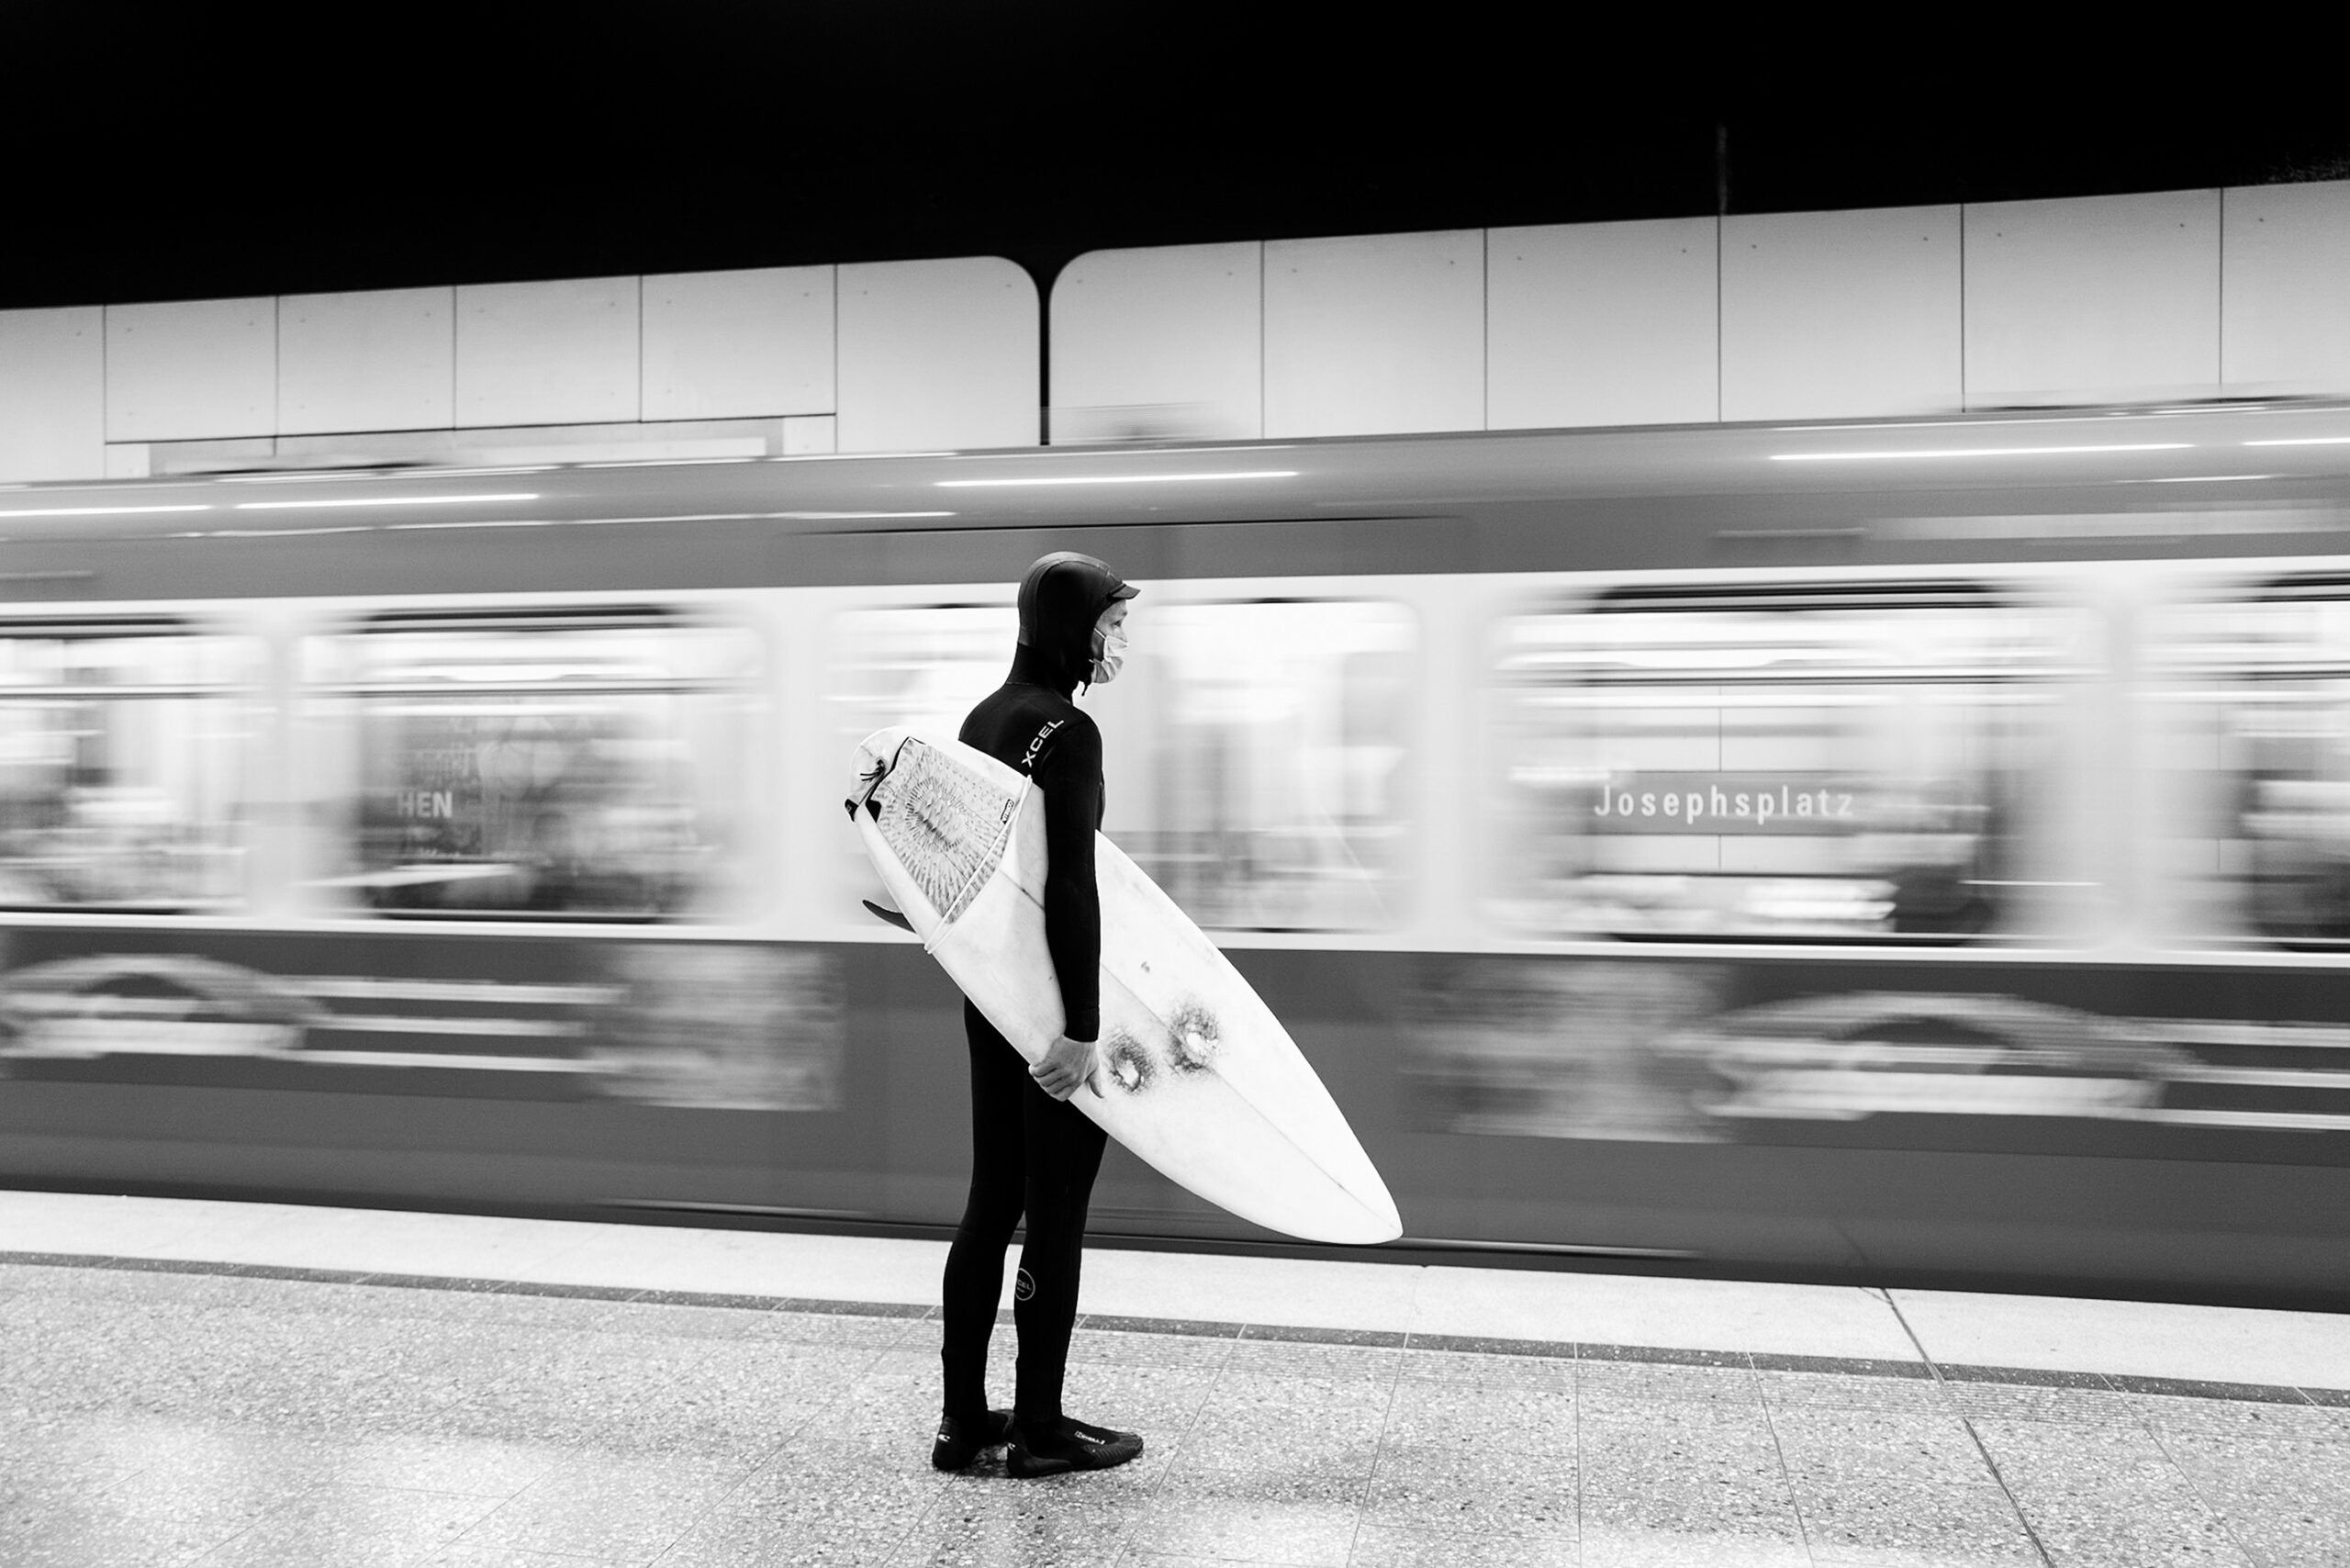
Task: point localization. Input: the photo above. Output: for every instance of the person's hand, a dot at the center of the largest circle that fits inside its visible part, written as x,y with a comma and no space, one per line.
1067,1064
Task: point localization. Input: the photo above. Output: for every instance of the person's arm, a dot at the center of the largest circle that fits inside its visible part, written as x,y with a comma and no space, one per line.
1070,773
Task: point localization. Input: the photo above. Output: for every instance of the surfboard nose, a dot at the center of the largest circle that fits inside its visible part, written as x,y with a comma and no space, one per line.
1378,1212
1375,1221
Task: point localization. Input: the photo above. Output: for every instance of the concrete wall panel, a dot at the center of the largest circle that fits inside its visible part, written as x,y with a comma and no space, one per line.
1841,314
52,395
2285,288
1887,312
383,360
938,355
2090,298
1165,341
548,353
1604,324
192,370
739,345
1375,333
810,435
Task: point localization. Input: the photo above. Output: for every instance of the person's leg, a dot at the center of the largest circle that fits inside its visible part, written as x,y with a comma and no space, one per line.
974,1277
1064,1148
1064,1155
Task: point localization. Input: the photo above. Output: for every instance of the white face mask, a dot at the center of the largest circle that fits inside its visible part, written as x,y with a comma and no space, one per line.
1110,656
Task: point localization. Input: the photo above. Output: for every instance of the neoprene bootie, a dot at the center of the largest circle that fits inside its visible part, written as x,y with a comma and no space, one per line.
961,1442
1061,1445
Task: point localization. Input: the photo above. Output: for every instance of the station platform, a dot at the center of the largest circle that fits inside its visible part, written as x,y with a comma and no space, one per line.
245,1383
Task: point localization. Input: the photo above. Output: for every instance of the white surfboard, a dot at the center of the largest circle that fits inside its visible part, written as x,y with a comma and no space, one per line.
1200,1079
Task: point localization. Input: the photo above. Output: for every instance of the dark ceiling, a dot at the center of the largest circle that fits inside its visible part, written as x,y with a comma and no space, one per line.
186,151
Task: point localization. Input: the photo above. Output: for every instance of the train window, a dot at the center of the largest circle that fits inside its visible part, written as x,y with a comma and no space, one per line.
1842,763
1253,749
564,766
1272,761
921,666
2254,720
120,748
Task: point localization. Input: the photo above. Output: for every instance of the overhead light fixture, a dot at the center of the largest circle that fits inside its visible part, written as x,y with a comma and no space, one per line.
1117,479
276,532
2305,441
2038,421
382,468
856,457
469,522
852,515
384,501
1974,452
101,511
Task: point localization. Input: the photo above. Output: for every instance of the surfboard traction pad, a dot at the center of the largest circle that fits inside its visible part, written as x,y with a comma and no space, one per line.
947,825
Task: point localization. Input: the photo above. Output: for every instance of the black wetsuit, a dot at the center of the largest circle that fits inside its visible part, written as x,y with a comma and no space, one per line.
1032,1154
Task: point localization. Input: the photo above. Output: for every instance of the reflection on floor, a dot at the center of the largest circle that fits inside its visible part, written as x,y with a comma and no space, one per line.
177,1412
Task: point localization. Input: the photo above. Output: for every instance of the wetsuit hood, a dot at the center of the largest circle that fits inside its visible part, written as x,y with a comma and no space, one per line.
1061,597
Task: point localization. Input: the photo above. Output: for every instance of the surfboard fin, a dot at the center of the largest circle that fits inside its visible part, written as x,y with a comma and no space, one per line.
882,912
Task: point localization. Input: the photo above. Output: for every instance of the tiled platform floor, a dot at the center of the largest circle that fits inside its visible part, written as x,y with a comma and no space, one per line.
179,1411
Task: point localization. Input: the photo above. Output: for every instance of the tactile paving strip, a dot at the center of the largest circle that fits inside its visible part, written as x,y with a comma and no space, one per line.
1958,1376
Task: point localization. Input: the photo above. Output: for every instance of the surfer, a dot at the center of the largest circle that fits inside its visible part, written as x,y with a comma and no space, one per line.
1032,1153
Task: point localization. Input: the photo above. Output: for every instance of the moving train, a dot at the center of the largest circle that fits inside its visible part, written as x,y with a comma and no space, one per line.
1910,852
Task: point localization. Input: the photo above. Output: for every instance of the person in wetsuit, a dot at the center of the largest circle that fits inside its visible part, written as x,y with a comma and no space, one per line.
1033,1152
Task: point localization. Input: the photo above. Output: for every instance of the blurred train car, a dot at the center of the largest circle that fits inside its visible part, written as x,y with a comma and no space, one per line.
1887,852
